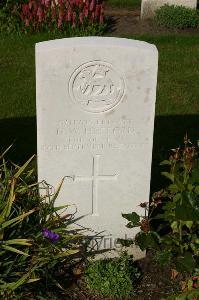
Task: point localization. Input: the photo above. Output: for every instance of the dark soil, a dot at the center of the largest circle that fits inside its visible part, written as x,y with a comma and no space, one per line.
123,22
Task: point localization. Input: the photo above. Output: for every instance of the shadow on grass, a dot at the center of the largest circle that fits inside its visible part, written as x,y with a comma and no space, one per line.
168,134
21,132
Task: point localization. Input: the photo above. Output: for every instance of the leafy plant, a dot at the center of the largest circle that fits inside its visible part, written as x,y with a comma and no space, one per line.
112,277
74,17
38,247
175,240
177,17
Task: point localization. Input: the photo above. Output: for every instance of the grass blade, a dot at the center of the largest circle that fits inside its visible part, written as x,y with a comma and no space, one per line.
15,220
12,249
21,170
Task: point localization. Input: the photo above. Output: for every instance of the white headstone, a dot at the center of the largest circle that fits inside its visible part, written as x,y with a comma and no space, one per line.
148,7
95,119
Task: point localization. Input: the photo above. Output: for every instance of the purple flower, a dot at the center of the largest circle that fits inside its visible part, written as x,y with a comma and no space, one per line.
50,235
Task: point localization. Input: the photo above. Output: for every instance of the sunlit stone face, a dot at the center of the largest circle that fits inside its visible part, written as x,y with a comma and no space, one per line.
95,118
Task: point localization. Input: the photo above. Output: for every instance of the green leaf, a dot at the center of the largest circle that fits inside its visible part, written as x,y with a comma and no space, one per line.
165,162
185,263
59,188
194,176
5,213
21,170
177,197
189,224
174,226
55,209
67,253
163,257
3,154
173,188
197,189
133,218
146,240
12,249
31,280
17,219
24,242
168,175
186,210
15,285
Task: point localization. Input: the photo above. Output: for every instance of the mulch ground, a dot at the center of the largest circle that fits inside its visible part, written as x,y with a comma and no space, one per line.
127,22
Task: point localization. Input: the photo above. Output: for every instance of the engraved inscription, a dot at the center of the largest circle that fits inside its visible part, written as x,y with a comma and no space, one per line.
95,178
97,135
96,86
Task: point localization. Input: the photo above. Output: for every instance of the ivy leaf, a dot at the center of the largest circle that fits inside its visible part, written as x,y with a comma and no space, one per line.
133,218
146,240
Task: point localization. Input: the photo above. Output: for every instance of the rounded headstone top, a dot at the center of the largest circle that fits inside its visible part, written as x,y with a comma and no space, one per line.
94,41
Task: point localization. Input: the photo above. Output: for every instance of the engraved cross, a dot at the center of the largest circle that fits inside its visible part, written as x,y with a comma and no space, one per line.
95,178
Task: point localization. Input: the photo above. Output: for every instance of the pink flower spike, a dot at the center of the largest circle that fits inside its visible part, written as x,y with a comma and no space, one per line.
59,23
101,19
93,16
86,12
97,11
25,9
74,17
74,20
81,17
30,4
27,23
69,15
54,13
92,5
47,3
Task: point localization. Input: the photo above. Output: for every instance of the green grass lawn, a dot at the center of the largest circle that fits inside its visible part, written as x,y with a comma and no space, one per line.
124,3
177,109
177,92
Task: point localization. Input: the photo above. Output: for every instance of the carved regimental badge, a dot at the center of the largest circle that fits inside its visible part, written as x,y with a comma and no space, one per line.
96,86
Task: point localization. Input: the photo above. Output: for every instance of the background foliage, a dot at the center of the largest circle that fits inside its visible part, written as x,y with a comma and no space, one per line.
179,17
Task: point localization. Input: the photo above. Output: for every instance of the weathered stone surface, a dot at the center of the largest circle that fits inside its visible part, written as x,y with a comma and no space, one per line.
149,7
95,117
